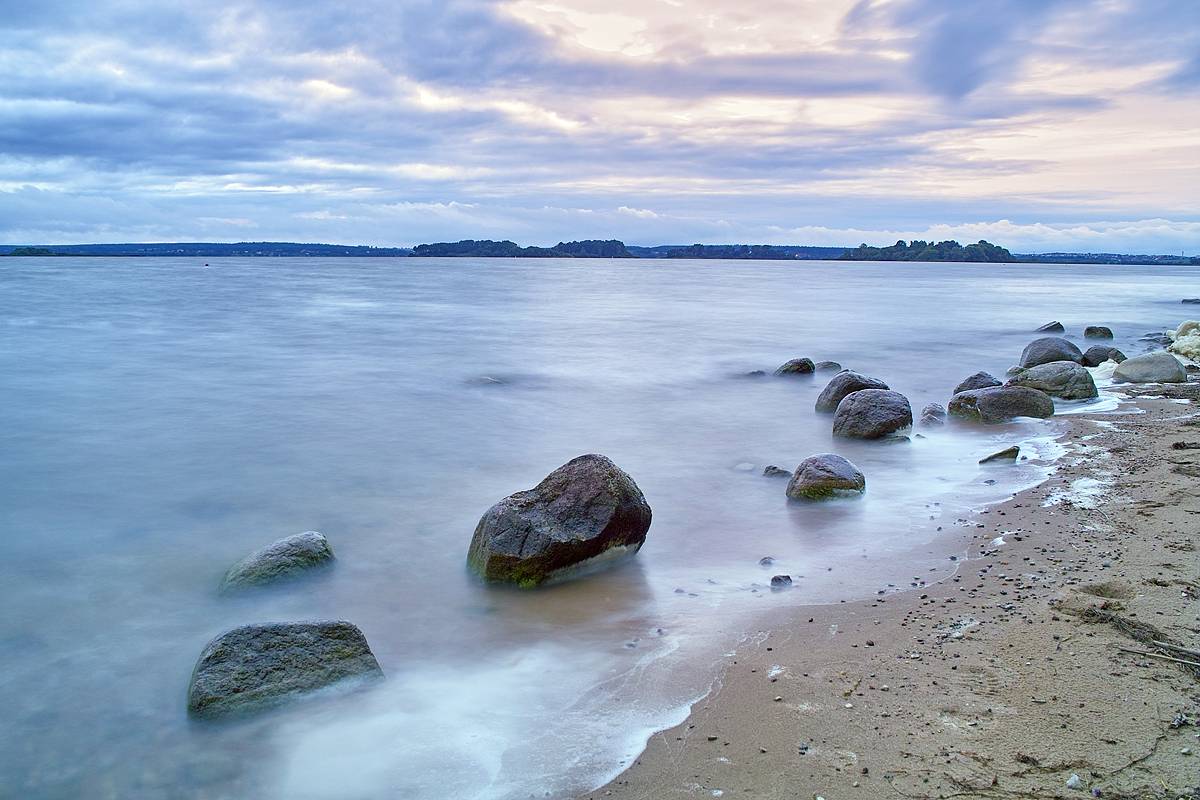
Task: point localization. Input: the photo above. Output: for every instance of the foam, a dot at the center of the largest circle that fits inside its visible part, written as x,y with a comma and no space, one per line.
1186,340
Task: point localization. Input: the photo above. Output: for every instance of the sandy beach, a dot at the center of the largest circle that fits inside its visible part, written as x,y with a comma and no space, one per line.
1032,673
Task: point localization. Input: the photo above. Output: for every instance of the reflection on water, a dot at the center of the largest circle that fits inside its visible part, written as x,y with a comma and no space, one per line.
162,420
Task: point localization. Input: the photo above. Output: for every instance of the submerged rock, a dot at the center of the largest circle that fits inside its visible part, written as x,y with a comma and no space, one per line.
872,414
843,384
1160,367
1099,353
980,380
1064,379
1047,349
586,511
1007,454
797,366
781,581
933,414
826,475
822,366
773,471
1051,327
1191,300
1097,332
1001,404
755,373
258,666
280,560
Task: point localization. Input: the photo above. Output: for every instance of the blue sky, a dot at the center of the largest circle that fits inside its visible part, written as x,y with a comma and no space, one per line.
1038,124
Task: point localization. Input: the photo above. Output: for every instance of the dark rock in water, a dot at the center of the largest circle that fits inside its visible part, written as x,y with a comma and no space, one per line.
585,512
766,561
1001,404
283,559
980,380
797,366
1051,327
1192,300
1007,454
1099,353
486,380
773,471
1097,332
755,373
871,414
843,384
826,475
258,666
1047,349
1160,367
1064,379
821,366
781,581
933,414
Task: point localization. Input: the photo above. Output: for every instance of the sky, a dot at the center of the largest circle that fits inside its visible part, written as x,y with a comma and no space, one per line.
1040,125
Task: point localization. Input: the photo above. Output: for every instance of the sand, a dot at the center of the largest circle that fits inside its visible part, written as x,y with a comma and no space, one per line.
1004,681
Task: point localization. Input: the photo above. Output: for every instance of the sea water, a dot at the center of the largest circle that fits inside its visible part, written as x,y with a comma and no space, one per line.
161,418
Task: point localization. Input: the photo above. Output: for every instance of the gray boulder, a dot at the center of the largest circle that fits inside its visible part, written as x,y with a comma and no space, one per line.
280,560
871,414
980,380
933,414
258,666
826,475
1160,367
822,366
797,366
1001,404
1047,349
1099,353
1051,327
1007,454
1097,332
843,384
1064,379
585,512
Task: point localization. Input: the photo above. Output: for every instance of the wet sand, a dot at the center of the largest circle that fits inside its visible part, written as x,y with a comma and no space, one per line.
1001,682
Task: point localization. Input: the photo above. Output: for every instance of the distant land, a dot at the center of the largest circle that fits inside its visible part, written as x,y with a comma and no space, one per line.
916,250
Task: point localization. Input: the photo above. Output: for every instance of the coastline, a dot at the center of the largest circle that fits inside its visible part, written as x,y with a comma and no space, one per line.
1004,680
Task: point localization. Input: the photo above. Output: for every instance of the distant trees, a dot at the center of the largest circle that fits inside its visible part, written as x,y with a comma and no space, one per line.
919,250
31,251
486,248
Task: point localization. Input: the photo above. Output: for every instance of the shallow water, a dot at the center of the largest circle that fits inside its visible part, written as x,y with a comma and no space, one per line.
162,419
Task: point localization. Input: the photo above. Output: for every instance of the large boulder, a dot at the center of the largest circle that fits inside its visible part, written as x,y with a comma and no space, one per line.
797,366
280,560
1097,354
586,511
826,475
1159,367
872,414
1051,327
1064,379
980,380
1049,348
259,666
1097,332
843,384
1001,404
933,414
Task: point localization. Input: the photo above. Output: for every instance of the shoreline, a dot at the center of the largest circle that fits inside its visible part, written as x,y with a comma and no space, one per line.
990,683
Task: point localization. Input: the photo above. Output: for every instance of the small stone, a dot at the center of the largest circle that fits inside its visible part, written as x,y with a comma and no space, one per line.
1075,782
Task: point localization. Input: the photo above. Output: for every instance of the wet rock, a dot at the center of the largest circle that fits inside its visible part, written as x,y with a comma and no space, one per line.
826,475
1047,349
822,366
1051,327
1160,339
584,513
773,471
1097,332
797,366
781,581
755,373
1098,354
843,384
281,560
933,414
872,414
980,380
1160,367
766,561
1001,403
1064,379
1191,300
1007,454
259,666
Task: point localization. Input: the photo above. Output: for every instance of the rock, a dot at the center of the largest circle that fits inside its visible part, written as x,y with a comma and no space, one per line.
1001,404
781,581
1047,349
1192,300
1160,339
1160,367
980,380
933,414
871,414
283,559
797,366
1075,782
1064,379
1097,332
258,666
773,471
766,561
585,512
1007,454
755,373
1099,353
822,366
826,475
1051,327
843,384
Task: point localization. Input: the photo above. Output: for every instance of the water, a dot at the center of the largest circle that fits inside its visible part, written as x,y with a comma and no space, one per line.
162,419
